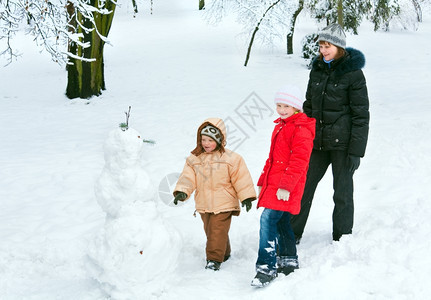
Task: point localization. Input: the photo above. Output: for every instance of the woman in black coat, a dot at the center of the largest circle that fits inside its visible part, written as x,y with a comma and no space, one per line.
337,98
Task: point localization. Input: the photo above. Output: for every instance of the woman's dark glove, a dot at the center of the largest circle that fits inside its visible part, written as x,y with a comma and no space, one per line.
247,203
180,196
354,162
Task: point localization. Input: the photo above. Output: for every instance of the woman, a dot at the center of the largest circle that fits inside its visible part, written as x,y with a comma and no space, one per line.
337,98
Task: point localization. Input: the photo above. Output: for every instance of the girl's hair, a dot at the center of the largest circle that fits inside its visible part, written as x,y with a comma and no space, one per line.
340,53
199,149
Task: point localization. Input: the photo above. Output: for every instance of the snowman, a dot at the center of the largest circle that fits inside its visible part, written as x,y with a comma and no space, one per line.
132,256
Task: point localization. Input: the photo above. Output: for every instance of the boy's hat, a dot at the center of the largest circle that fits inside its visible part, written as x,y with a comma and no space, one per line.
290,95
333,34
212,132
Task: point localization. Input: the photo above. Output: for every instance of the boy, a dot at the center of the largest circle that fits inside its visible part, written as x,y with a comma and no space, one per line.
220,178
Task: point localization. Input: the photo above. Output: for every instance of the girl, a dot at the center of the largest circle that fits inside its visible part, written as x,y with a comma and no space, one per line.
220,178
281,185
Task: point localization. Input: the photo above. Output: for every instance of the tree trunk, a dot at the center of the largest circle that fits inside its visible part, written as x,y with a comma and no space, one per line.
72,89
135,7
418,10
292,27
340,13
201,4
86,77
255,31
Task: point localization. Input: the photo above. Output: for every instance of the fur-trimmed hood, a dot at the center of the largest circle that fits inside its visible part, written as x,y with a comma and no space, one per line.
337,98
352,61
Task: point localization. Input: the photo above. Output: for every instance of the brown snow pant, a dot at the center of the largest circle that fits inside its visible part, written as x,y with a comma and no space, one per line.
216,228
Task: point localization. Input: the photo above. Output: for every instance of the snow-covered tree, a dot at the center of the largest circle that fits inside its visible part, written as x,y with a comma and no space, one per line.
348,13
382,13
270,20
52,24
409,16
262,20
85,69
73,32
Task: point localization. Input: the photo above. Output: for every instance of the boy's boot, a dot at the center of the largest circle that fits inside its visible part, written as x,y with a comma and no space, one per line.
213,265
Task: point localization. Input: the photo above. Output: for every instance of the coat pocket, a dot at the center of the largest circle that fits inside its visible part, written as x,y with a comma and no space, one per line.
340,132
230,194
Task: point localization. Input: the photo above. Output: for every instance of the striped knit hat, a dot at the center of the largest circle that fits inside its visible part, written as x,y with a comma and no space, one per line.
333,34
290,95
212,132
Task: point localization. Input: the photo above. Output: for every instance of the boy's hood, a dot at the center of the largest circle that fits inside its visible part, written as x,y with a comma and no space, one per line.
216,122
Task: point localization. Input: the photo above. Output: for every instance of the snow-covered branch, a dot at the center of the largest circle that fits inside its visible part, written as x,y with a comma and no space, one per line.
273,26
54,24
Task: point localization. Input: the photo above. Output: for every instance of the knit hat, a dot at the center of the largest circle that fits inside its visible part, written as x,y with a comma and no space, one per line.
290,95
212,132
333,34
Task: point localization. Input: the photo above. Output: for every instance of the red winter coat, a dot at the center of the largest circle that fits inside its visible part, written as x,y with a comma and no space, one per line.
287,165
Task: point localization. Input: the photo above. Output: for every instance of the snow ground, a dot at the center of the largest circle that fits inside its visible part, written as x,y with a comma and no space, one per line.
175,71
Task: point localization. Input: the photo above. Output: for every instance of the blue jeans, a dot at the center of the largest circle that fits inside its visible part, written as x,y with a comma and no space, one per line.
276,240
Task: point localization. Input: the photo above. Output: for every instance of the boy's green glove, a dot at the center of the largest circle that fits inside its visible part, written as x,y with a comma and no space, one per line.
180,196
247,204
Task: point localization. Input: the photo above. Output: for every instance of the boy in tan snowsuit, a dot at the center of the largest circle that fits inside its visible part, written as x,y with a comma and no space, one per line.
221,179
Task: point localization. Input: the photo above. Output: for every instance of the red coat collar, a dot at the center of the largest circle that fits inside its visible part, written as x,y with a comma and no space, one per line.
290,119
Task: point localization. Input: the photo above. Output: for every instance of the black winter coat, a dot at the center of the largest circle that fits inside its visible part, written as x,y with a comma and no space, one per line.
337,98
